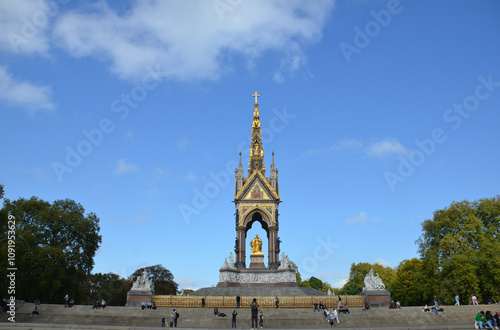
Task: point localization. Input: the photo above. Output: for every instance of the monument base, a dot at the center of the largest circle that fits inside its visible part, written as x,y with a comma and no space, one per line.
136,298
257,278
257,261
377,298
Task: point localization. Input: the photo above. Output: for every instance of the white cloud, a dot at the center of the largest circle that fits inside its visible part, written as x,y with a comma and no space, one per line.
182,143
191,176
344,144
38,173
24,25
24,94
122,167
188,283
160,174
339,284
361,218
195,41
130,135
386,147
376,148
383,262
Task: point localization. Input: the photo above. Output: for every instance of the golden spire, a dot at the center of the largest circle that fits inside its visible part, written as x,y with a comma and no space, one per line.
256,150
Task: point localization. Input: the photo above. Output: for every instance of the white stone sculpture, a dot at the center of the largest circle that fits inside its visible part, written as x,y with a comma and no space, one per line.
285,262
373,282
143,283
231,261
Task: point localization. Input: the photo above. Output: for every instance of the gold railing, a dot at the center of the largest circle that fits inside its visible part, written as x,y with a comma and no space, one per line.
230,302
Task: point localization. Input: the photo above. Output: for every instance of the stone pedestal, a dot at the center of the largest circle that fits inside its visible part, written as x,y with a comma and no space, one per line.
377,298
257,261
136,298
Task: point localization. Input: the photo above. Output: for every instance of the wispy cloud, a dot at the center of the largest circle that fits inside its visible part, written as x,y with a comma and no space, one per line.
196,42
38,173
122,167
23,94
375,148
383,262
191,176
19,33
160,174
188,283
361,218
182,143
385,147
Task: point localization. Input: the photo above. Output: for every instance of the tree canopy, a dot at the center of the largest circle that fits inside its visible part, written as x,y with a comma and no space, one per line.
163,280
55,247
109,286
459,248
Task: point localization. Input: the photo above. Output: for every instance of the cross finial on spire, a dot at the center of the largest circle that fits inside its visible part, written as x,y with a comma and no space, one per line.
256,96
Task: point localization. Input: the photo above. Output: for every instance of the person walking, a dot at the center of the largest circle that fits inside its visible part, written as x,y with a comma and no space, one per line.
233,322
457,300
340,302
261,319
238,301
336,315
255,312
277,301
66,299
474,300
163,321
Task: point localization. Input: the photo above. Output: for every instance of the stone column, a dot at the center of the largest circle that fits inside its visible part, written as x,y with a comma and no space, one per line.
274,250
240,247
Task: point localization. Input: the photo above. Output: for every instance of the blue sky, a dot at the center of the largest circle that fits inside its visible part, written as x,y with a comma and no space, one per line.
379,113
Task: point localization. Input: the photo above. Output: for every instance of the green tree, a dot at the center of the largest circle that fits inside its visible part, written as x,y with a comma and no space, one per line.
316,283
163,280
460,246
305,284
411,286
110,287
2,191
55,248
351,289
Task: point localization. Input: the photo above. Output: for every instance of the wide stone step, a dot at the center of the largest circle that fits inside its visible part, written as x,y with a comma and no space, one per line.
273,318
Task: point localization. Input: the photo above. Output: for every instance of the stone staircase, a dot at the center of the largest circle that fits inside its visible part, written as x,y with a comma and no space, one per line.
84,317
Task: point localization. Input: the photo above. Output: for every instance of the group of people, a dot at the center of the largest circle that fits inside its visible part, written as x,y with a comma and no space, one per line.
149,305
396,305
331,316
67,302
488,319
99,304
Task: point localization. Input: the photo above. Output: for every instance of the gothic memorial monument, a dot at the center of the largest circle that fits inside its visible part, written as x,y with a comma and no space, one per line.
256,200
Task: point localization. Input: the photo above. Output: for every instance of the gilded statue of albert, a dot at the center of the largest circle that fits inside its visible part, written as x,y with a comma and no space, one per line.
256,245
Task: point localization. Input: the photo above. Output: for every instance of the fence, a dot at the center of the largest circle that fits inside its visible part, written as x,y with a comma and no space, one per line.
230,302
